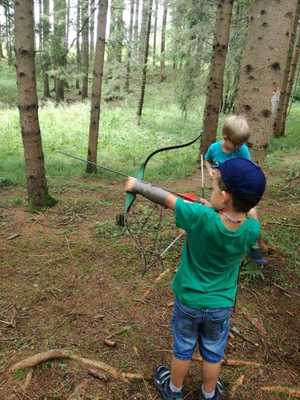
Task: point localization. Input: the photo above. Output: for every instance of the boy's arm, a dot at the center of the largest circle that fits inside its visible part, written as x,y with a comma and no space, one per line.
209,168
153,193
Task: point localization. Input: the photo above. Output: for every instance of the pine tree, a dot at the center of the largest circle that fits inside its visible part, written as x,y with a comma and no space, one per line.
97,86
28,105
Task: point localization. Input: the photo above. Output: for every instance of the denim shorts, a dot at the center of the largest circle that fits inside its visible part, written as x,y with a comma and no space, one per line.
208,327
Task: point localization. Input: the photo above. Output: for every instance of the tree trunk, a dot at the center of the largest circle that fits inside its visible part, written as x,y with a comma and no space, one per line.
215,85
148,6
85,47
59,50
1,49
116,35
97,86
269,32
67,24
279,120
78,55
155,31
40,27
292,80
136,28
46,56
92,29
163,42
28,105
8,35
129,47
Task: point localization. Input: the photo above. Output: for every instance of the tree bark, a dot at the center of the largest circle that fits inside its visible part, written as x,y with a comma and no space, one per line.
148,6
279,121
97,87
40,27
85,47
129,46
163,42
116,35
67,24
265,56
155,31
215,85
46,57
28,105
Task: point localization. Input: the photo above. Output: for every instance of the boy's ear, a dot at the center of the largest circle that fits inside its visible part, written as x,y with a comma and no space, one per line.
226,196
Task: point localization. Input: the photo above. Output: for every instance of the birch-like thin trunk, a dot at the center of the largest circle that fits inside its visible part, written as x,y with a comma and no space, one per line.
129,46
278,125
85,47
97,87
28,105
215,84
148,6
163,42
59,50
155,31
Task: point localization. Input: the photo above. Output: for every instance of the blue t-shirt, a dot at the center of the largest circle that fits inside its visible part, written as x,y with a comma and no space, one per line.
216,155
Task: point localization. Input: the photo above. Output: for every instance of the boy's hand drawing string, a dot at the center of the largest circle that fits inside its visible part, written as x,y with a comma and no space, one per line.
122,219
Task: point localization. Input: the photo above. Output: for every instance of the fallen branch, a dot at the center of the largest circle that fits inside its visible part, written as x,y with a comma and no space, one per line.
255,322
28,380
39,358
230,362
282,389
235,386
156,280
238,333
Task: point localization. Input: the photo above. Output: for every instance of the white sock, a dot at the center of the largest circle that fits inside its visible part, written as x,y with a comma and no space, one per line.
208,395
174,388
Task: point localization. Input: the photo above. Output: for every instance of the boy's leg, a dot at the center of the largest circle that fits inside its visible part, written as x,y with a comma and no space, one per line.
179,369
210,375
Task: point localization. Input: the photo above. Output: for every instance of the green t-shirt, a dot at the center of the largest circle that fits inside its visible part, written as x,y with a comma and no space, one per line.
211,256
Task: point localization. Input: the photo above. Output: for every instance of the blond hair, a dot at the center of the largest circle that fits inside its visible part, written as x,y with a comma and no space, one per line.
236,129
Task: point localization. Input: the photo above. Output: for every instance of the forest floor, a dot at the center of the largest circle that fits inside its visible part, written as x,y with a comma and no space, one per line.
70,278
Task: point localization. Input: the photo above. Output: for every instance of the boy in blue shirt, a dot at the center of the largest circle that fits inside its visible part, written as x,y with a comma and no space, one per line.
236,133
218,236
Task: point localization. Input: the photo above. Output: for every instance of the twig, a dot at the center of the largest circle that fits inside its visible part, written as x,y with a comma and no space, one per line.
281,223
39,358
282,389
238,333
28,380
124,329
157,279
68,243
235,386
255,322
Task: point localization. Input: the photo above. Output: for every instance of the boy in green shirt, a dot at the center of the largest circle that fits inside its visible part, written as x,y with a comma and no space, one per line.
218,236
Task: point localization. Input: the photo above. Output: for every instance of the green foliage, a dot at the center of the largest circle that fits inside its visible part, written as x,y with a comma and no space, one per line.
8,87
20,374
251,271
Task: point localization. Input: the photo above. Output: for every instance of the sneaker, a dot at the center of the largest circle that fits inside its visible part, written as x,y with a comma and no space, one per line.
218,393
162,383
257,256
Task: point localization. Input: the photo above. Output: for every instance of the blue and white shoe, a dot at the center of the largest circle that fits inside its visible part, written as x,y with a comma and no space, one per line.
218,392
162,378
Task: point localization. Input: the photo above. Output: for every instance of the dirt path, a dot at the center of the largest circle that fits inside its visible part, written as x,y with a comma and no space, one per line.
71,278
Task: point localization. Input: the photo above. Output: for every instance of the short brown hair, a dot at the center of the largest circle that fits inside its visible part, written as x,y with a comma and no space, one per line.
236,128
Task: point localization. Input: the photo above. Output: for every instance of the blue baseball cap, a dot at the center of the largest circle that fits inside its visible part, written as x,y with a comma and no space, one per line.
243,178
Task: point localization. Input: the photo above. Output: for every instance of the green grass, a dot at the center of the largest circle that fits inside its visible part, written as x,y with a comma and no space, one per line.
122,144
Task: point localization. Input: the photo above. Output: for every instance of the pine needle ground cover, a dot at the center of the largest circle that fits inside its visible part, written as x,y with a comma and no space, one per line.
70,278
